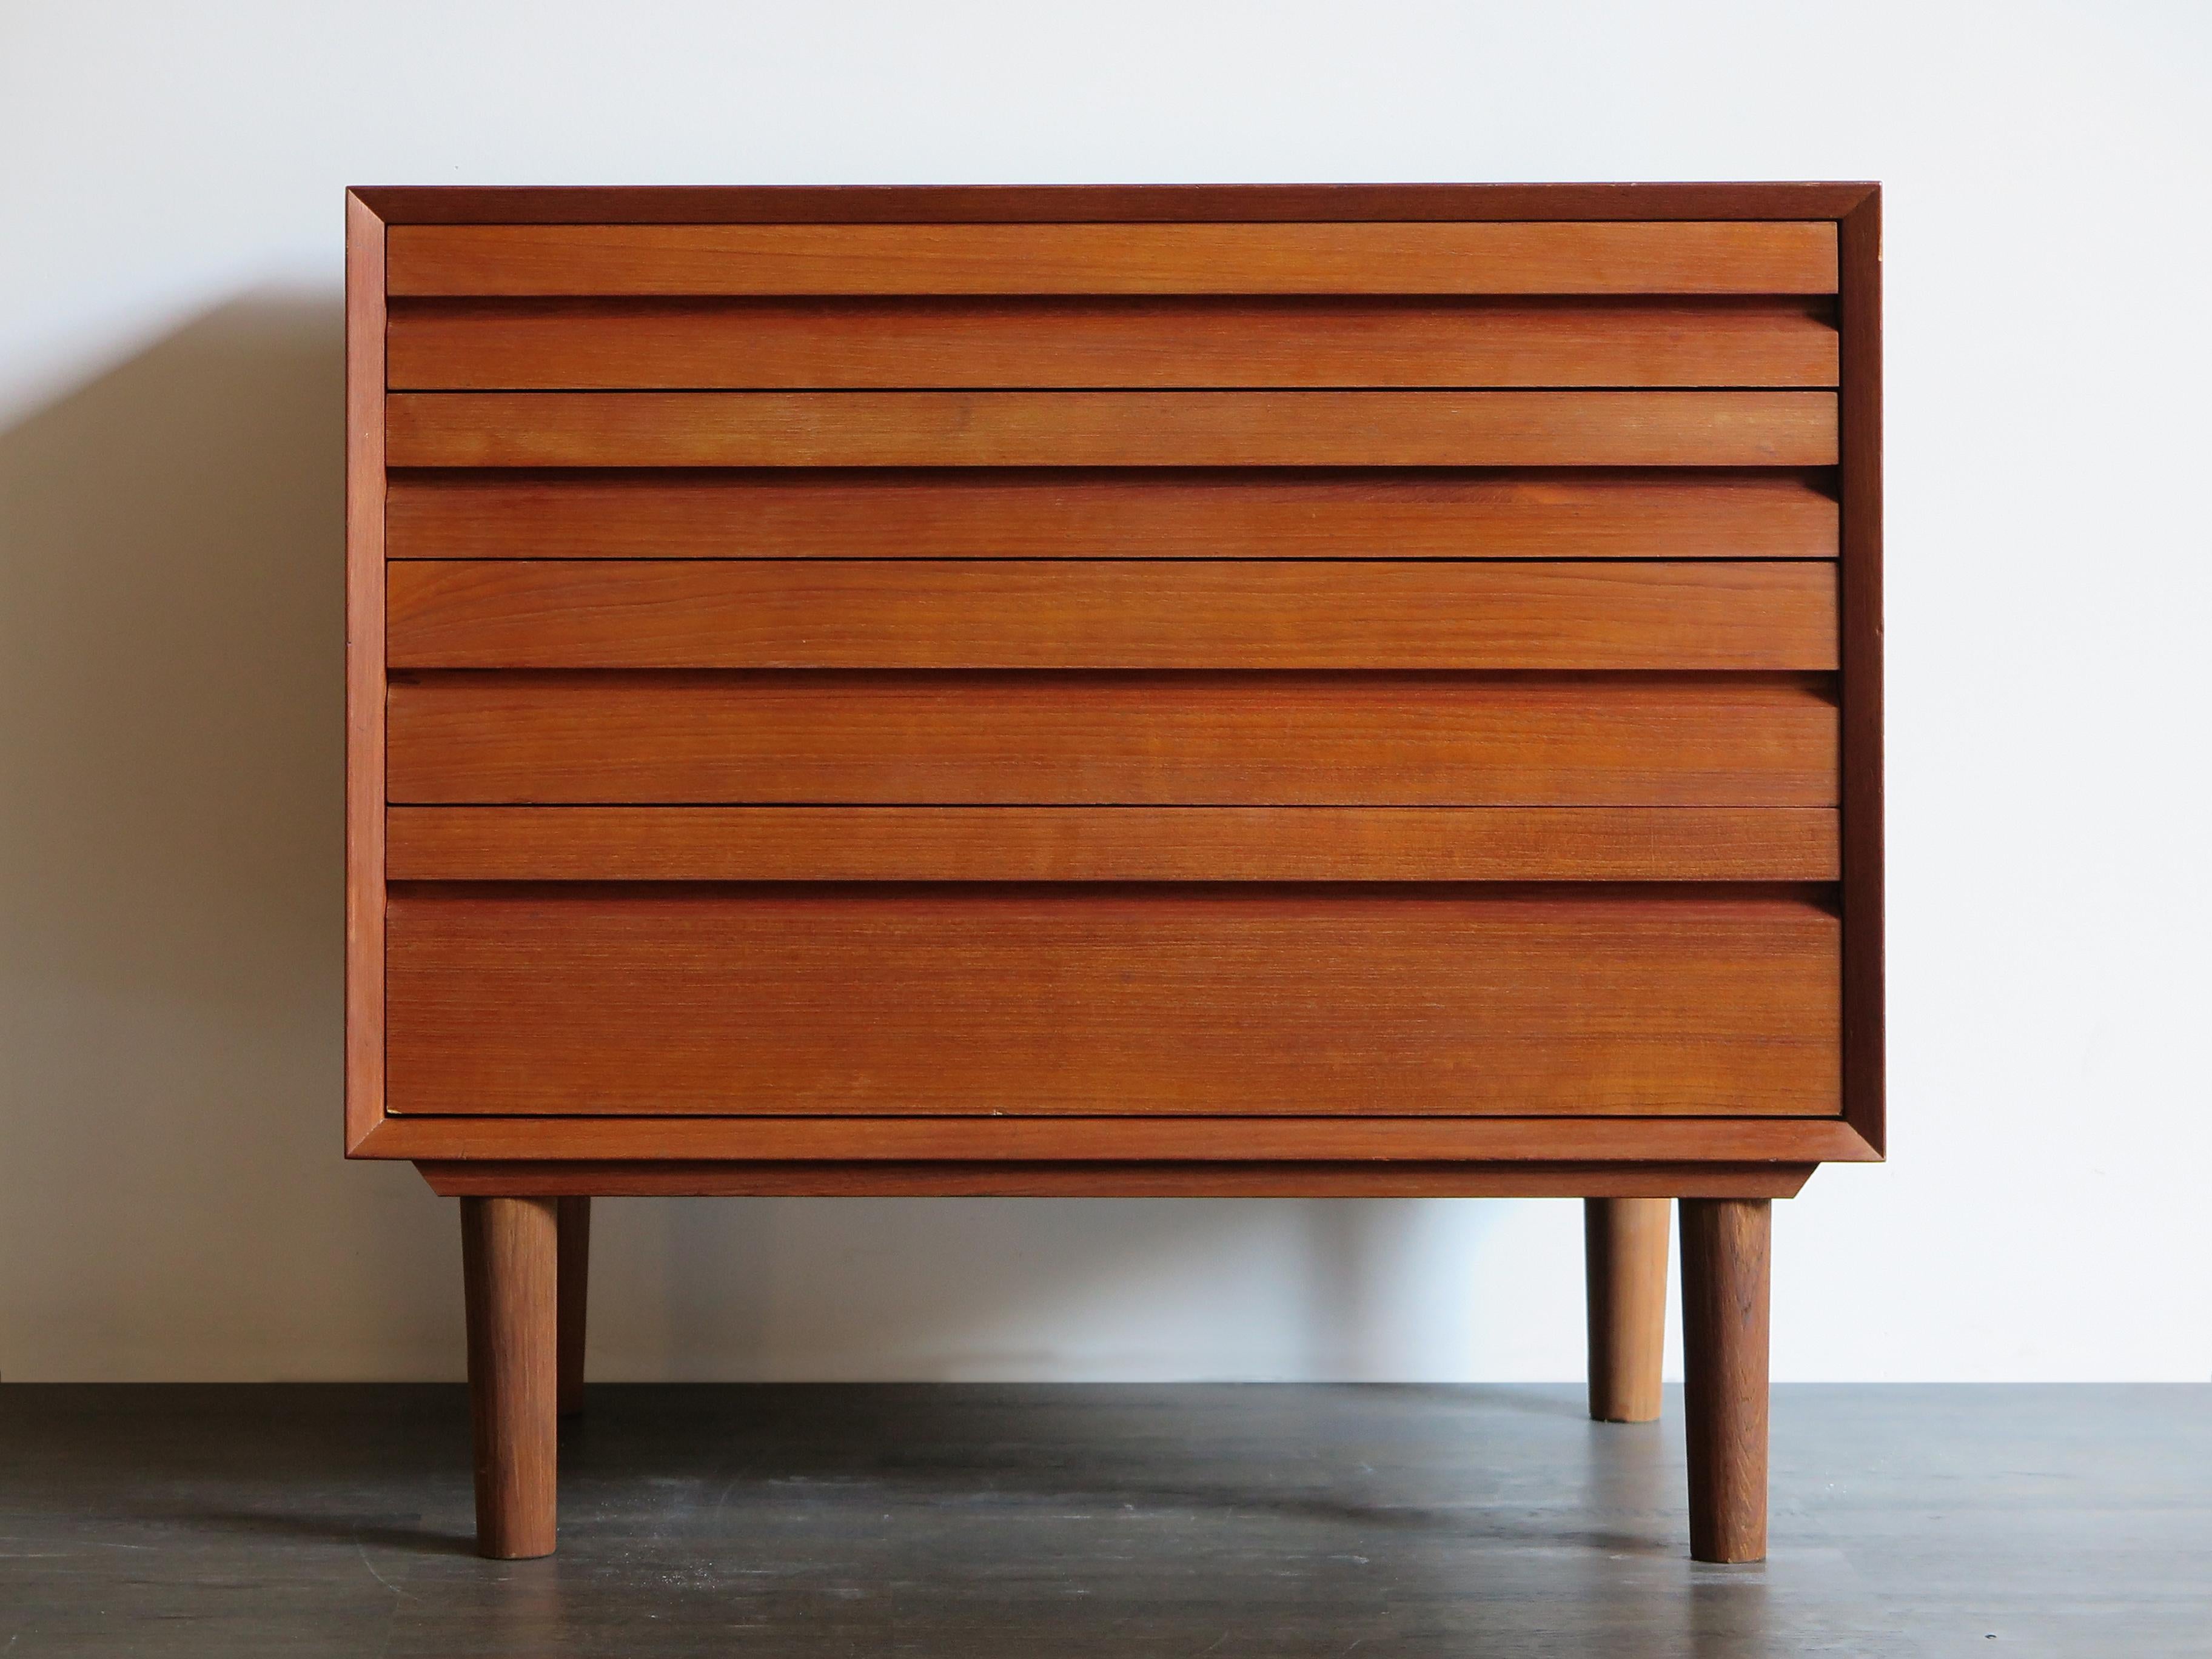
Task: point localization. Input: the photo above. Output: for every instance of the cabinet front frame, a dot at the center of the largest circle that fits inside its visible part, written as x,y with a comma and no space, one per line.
1567,1155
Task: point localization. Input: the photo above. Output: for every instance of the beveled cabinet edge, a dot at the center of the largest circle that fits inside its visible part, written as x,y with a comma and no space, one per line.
1047,1179
1854,207
1096,1139
433,204
1858,237
365,674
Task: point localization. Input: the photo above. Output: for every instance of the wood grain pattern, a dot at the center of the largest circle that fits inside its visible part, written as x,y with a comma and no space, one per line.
1624,1274
509,1272
1120,843
1110,428
1725,1319
878,343
1060,513
1757,510
365,568
1118,739
877,1000
1554,257
1625,1182
1865,999
868,1140
922,204
1005,613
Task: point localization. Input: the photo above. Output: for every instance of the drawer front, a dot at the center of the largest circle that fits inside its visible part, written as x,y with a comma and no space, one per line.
603,344
1113,740
1085,1000
1558,257
1112,843
1127,513
1101,670
1110,429
1111,614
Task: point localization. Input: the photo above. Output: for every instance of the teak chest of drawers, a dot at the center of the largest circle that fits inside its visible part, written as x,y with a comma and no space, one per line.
1245,690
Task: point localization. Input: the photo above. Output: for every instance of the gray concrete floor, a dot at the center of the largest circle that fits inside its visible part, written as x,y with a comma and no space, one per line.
1221,1522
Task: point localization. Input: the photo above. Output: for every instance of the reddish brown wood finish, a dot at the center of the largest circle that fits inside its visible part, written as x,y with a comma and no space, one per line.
1543,257
510,1270
1011,1000
514,345
923,204
1624,1266
1110,429
1122,740
1117,844
1618,1140
364,672
1627,1183
1121,613
1056,513
1725,1298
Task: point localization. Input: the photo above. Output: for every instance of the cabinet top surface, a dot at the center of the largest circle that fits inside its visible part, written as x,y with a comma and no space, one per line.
1074,204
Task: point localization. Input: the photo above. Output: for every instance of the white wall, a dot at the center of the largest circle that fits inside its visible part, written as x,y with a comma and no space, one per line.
171,1201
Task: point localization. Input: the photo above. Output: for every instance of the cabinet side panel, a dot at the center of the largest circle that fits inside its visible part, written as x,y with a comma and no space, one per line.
364,382
1865,1046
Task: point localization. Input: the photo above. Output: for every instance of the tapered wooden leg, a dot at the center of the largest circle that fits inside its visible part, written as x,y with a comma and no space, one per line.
576,1219
510,1267
1625,1263
1724,1330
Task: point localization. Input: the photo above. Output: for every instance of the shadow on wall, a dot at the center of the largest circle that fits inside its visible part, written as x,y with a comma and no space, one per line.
174,619
172,1201
171,834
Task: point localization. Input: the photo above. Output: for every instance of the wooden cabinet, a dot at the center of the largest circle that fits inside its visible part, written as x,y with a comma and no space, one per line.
1172,691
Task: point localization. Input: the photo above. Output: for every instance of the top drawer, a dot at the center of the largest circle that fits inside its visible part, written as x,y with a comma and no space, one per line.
1546,256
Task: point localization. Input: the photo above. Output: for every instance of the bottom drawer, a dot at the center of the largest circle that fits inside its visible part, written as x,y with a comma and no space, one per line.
871,999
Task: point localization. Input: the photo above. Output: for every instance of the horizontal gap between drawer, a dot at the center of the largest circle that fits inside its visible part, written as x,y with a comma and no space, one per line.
460,479
1413,395
1104,558
1817,895
1813,680
672,805
960,806
1820,306
980,478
